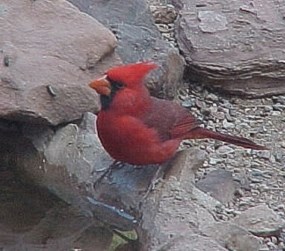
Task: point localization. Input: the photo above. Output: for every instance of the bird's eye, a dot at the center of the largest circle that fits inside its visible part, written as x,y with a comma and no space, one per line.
118,85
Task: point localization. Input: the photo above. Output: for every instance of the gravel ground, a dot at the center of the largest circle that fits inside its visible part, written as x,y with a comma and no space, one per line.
261,174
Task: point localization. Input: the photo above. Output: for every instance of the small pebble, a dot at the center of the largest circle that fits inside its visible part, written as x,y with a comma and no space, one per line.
278,156
187,103
276,113
200,104
206,112
212,97
271,245
264,154
281,246
264,248
233,112
229,117
278,107
274,240
255,180
213,161
268,108
224,150
228,125
219,115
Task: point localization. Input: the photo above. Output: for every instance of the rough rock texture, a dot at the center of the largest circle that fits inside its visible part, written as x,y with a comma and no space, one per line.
66,161
47,49
261,221
71,163
139,39
173,215
166,213
219,184
232,236
237,46
193,242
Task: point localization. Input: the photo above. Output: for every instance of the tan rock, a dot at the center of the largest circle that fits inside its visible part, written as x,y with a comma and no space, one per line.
261,221
235,46
48,50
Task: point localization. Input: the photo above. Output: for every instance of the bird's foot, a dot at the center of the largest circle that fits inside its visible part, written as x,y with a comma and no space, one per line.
156,179
107,171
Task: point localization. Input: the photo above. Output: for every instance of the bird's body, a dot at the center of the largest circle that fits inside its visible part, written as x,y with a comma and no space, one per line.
137,136
139,129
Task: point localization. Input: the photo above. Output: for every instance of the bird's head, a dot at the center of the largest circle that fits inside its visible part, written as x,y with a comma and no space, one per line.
123,82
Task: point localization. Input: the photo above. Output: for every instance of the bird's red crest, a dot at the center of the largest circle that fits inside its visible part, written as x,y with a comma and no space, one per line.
131,74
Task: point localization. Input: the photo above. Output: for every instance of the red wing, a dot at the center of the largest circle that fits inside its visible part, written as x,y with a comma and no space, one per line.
169,119
184,126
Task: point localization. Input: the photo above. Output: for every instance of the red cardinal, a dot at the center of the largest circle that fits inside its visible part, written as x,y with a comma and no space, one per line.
139,129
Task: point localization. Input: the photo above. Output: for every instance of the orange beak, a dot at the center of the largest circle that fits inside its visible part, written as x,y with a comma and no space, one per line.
101,86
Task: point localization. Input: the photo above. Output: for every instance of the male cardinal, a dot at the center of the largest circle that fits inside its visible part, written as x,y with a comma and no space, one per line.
139,129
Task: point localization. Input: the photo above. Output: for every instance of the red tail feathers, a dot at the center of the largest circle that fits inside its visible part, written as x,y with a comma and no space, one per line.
203,133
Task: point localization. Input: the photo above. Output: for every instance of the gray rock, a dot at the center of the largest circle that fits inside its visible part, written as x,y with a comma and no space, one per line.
45,53
225,150
174,212
139,39
235,46
261,221
70,162
185,158
214,161
204,200
218,115
69,157
191,242
212,97
187,103
228,125
164,14
219,184
229,116
232,236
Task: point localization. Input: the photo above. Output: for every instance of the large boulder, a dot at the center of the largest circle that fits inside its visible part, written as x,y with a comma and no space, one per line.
237,46
139,40
49,51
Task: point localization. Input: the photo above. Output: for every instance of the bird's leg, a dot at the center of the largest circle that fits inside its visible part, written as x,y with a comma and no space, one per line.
107,171
154,181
